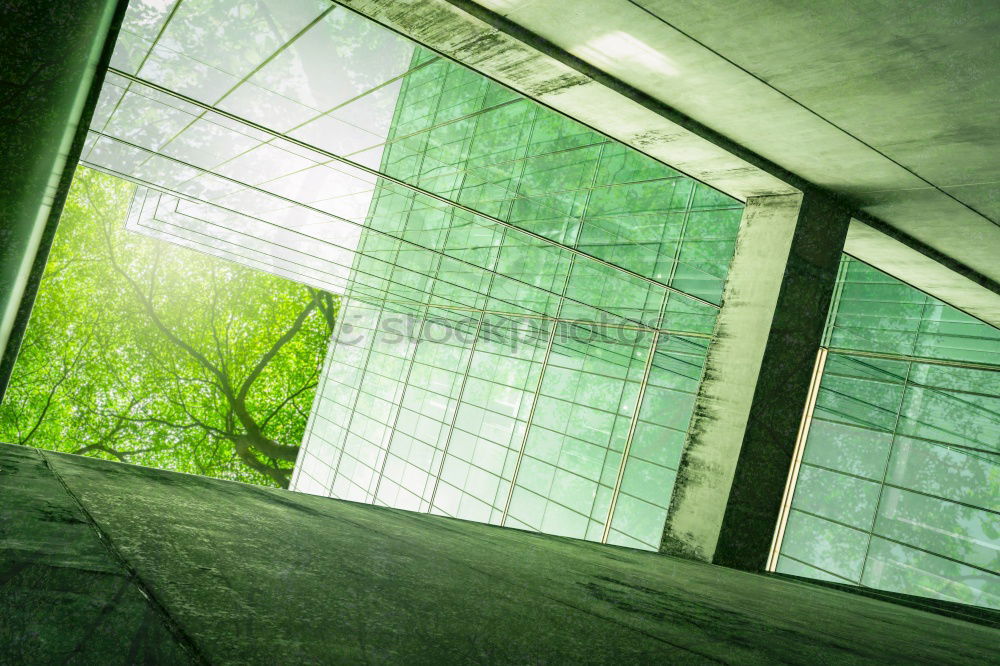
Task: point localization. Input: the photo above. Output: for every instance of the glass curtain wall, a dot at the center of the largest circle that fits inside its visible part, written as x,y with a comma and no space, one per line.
899,486
526,303
553,392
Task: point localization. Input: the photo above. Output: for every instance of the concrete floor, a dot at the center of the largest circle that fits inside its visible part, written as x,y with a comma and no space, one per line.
108,563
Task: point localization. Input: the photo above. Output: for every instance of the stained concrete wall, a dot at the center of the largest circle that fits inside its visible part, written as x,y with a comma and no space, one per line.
739,447
65,597
108,563
52,61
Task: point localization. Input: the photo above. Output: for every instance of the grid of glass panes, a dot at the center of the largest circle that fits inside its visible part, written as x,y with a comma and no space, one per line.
658,440
574,446
260,132
462,136
899,487
495,406
421,190
568,410
877,313
438,411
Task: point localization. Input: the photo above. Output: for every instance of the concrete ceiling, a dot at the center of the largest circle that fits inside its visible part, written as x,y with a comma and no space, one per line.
891,105
914,83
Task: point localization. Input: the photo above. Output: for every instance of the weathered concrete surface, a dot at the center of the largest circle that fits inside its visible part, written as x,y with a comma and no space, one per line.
915,82
49,56
64,596
759,98
746,416
448,27
917,268
256,575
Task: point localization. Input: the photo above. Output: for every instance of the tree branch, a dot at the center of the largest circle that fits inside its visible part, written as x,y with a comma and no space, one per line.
284,402
150,310
277,474
275,348
67,370
101,447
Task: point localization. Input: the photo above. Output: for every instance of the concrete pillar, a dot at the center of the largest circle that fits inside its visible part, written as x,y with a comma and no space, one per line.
50,53
739,448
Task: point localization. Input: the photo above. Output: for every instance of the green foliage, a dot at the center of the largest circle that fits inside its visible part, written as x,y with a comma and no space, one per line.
142,351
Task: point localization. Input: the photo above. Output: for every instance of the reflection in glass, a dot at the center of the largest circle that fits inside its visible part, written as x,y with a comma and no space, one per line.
900,481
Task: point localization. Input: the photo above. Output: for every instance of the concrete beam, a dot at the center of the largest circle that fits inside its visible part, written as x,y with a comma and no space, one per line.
615,67
470,35
51,55
738,450
912,262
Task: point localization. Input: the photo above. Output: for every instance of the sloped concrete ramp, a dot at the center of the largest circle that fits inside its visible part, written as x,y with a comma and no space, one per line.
108,563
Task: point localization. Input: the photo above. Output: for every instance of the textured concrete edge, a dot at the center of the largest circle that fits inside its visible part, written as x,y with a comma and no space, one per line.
103,484
781,394
513,55
62,171
734,467
722,404
147,592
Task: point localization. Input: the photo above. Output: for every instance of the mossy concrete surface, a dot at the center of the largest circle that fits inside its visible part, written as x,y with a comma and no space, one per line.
64,597
748,409
108,563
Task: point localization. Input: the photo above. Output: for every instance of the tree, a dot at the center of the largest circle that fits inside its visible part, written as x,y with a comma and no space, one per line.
142,351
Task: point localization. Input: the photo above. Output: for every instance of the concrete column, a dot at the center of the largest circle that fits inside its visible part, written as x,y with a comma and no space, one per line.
50,55
747,412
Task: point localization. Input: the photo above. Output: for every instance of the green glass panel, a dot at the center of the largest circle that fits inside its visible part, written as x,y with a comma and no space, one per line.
876,312
657,442
838,497
898,568
942,471
586,402
946,528
857,451
636,517
787,565
496,328
904,451
836,549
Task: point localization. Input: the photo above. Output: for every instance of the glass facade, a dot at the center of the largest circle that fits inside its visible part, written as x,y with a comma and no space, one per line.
287,148
899,486
526,304
541,380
